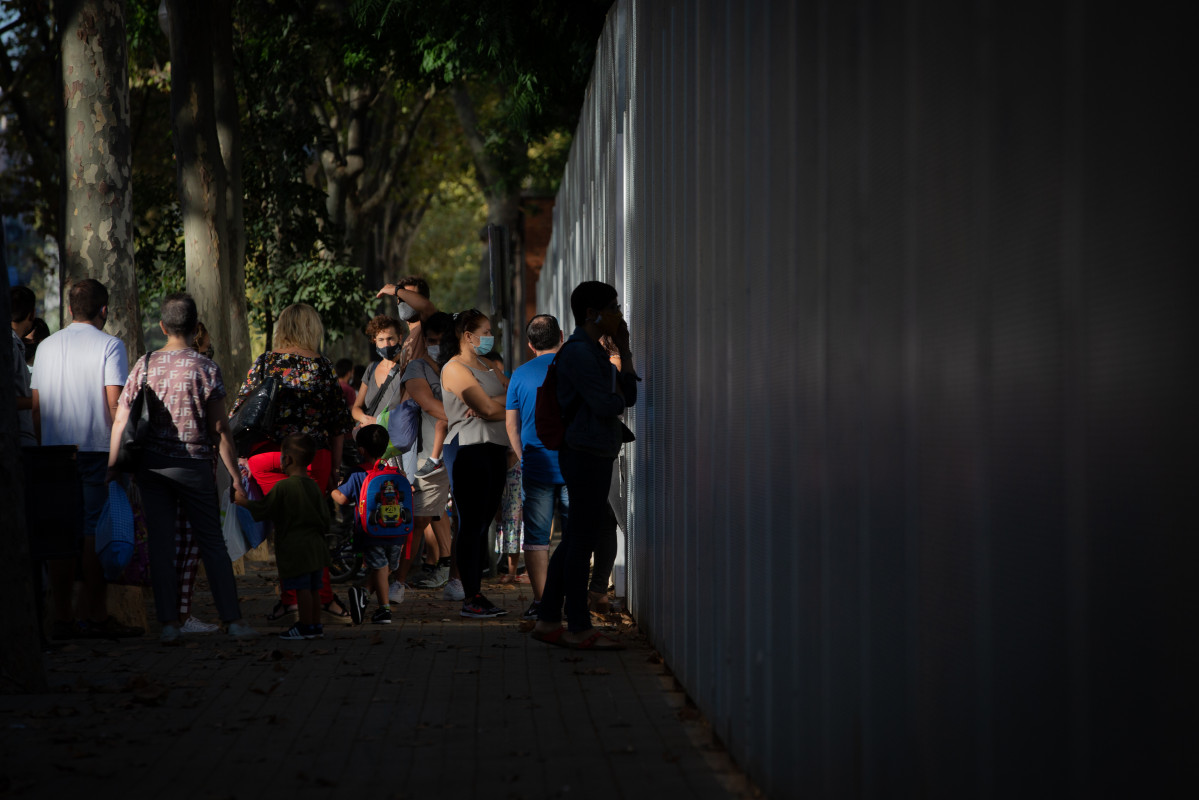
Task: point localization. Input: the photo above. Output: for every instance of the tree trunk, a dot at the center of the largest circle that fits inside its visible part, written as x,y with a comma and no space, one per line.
228,125
98,232
21,657
501,191
201,172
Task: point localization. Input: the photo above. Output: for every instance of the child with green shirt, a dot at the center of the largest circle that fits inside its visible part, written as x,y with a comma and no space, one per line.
300,512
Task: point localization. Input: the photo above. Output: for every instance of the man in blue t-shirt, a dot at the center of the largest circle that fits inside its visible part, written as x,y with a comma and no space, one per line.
542,486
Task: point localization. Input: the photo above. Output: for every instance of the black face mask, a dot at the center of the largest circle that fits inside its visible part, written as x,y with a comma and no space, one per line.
388,353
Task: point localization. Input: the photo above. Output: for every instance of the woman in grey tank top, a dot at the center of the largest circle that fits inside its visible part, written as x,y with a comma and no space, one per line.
474,395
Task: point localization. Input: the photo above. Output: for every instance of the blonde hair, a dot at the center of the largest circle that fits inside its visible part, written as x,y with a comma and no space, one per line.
299,326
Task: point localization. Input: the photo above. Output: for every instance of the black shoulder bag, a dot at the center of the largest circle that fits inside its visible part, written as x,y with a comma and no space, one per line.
137,427
255,420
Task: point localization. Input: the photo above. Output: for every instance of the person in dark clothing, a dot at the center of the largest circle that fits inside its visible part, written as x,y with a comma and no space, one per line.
593,394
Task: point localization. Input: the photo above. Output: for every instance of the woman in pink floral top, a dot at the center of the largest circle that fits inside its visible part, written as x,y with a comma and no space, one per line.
310,401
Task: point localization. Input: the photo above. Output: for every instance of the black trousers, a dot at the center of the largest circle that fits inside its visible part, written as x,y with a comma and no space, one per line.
479,473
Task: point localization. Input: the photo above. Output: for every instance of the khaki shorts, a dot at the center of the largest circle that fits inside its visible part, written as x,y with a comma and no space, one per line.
430,495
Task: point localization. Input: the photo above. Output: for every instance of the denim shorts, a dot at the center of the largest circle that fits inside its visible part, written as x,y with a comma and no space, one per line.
378,556
539,500
309,580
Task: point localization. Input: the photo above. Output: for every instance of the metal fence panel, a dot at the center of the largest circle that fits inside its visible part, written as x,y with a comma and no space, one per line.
906,513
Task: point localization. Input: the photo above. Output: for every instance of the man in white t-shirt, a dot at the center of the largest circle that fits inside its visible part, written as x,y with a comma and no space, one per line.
76,386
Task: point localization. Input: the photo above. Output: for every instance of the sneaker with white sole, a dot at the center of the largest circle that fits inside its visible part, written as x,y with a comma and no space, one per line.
480,607
453,590
531,611
240,630
381,616
357,604
169,634
434,578
395,592
294,633
316,631
429,468
194,625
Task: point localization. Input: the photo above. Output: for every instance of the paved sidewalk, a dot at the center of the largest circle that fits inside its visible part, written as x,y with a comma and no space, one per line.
430,706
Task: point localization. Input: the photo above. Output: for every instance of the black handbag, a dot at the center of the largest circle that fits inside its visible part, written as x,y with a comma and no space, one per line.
137,427
255,420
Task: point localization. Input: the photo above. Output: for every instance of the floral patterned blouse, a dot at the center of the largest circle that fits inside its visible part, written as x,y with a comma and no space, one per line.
310,400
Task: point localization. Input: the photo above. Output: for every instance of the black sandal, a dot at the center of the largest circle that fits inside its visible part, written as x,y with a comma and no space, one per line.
329,607
280,611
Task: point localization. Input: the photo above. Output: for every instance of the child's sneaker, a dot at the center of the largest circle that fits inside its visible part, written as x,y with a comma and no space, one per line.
294,634
453,590
395,592
382,616
480,607
429,467
357,604
169,634
316,631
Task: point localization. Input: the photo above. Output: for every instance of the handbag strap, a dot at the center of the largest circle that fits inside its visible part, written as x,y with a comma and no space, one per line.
374,403
146,367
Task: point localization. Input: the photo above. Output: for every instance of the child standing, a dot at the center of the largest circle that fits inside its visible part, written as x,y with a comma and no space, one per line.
382,555
301,516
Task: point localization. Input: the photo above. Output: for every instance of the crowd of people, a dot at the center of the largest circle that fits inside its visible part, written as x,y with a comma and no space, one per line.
477,459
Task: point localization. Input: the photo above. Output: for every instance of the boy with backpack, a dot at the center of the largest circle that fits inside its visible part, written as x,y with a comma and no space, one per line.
298,508
382,499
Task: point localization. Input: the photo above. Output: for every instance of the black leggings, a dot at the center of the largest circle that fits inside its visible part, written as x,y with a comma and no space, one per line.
479,473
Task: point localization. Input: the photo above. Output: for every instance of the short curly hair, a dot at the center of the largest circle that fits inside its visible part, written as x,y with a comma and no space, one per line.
382,323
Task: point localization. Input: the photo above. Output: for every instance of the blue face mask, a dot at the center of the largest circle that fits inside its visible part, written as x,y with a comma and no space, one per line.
485,344
434,351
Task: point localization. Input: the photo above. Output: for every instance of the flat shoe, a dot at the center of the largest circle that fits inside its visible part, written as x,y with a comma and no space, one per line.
280,611
596,641
336,601
554,637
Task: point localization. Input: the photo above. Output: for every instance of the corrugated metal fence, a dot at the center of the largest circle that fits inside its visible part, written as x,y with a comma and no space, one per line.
908,512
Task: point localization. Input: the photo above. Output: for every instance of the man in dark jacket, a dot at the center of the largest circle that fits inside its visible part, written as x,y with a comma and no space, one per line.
593,394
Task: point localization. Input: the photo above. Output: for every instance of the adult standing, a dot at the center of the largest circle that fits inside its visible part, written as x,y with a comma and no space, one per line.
309,401
474,396
543,489
412,295
22,300
430,492
593,394
381,385
186,394
78,380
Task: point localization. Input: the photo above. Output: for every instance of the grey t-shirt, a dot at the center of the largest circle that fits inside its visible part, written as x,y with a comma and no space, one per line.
394,390
419,368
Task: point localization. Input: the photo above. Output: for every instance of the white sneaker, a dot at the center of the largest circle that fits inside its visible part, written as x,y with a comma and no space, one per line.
169,634
453,590
241,630
395,592
194,625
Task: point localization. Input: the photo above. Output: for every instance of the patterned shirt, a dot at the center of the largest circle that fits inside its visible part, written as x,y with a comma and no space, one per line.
309,401
181,382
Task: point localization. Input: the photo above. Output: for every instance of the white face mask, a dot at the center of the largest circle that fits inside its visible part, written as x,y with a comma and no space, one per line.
434,351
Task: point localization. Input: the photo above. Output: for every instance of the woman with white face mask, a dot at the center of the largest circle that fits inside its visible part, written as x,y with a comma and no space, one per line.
474,395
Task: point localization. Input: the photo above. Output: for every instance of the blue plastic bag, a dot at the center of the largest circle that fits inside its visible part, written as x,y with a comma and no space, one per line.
115,535
253,530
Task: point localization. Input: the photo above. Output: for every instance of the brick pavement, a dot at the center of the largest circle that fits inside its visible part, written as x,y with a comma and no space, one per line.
430,706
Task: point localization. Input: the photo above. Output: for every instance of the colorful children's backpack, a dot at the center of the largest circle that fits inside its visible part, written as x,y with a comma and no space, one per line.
385,503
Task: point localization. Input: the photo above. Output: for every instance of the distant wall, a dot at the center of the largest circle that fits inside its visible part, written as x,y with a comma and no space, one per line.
911,510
